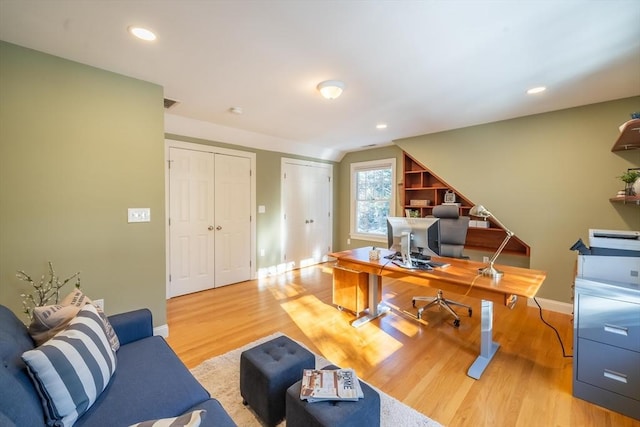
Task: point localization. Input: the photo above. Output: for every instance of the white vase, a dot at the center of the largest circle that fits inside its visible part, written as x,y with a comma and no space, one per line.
636,187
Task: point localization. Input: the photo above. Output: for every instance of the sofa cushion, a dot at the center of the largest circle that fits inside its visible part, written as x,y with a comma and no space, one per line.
190,419
73,368
151,382
19,402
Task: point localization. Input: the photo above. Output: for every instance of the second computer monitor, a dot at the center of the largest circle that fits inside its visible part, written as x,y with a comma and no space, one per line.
424,234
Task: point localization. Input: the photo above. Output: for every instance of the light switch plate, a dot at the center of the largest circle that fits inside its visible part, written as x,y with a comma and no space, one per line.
139,214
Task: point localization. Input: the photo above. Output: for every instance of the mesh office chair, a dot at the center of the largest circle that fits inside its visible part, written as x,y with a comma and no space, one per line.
453,234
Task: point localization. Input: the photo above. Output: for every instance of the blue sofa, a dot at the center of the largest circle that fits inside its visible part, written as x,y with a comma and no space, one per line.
150,382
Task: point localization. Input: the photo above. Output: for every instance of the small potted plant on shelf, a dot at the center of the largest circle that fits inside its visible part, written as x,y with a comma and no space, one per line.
631,178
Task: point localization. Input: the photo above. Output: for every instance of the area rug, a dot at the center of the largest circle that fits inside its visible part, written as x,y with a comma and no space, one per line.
221,377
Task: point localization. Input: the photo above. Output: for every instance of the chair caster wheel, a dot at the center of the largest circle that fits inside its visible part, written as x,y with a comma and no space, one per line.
456,323
470,311
414,303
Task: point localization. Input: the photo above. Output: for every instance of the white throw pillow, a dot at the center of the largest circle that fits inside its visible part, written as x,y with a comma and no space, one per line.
72,368
190,419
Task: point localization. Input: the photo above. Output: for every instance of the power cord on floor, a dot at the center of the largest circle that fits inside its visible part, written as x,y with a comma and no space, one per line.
564,354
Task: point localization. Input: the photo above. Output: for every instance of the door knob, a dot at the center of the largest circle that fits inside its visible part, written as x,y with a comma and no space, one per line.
218,228
311,221
210,227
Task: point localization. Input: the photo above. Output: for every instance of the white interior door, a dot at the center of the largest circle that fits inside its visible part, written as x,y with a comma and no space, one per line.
307,224
191,214
319,214
232,219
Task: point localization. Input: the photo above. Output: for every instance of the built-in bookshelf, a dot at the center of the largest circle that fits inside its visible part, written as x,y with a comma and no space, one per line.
422,190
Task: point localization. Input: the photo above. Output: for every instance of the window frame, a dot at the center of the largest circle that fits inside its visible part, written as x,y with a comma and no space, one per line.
363,166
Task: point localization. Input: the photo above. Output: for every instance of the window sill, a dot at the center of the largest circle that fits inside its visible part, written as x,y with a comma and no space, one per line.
369,237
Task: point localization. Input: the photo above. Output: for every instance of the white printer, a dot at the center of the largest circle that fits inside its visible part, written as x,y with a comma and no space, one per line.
613,256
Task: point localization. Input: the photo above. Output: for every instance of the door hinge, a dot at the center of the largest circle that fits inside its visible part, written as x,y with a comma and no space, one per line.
169,163
169,222
285,175
329,178
169,278
250,172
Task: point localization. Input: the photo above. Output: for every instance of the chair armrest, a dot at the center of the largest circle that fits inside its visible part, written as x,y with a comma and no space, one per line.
132,325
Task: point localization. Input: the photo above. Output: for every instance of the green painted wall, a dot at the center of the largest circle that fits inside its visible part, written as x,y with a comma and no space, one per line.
268,225
547,177
78,146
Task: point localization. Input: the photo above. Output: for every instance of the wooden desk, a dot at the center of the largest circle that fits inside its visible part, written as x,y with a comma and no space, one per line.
460,277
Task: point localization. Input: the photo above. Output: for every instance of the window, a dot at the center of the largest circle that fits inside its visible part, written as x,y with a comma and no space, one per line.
372,198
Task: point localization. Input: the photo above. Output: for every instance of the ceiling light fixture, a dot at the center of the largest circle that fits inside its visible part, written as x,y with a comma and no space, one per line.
142,33
535,90
331,89
236,110
381,126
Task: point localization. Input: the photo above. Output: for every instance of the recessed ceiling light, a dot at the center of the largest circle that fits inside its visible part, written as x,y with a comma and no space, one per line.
236,110
142,33
381,126
535,90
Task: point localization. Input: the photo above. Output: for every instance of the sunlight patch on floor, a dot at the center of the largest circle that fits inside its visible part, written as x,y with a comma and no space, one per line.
331,331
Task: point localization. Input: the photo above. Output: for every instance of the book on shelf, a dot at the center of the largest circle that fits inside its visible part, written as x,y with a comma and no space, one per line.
330,384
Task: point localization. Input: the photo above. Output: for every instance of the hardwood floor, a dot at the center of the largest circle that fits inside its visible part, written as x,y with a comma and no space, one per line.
423,364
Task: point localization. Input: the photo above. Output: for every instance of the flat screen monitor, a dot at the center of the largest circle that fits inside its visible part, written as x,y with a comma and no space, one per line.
421,236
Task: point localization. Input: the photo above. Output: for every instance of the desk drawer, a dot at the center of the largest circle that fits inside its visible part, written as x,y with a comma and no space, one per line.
611,368
609,321
350,289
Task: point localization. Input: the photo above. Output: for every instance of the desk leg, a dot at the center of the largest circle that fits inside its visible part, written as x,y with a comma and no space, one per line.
376,307
487,346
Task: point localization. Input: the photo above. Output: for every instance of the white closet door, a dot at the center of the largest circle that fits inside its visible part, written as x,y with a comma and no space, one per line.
306,205
191,214
210,220
232,219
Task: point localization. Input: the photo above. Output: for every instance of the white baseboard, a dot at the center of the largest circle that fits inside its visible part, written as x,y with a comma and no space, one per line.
552,305
162,330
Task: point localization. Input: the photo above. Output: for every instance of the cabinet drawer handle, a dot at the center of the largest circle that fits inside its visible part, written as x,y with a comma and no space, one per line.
620,330
613,375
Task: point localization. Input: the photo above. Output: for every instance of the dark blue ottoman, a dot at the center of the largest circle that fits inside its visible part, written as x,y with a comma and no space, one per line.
364,412
267,370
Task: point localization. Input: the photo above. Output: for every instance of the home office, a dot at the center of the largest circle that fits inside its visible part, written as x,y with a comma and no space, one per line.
85,139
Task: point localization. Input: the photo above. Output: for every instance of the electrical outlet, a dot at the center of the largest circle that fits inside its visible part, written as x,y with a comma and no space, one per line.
99,303
261,252
485,259
348,241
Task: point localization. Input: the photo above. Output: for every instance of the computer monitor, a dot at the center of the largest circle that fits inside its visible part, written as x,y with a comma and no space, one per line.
413,236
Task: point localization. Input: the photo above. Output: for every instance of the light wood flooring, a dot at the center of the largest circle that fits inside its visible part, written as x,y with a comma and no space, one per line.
423,364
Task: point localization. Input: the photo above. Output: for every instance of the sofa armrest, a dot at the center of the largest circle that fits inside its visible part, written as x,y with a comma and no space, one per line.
132,325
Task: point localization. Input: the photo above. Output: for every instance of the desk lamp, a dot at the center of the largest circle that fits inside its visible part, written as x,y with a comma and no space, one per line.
482,212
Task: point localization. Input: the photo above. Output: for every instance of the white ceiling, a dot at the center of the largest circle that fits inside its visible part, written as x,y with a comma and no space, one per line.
419,66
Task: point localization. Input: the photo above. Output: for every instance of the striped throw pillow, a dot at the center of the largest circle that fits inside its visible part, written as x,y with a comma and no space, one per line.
72,368
190,419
